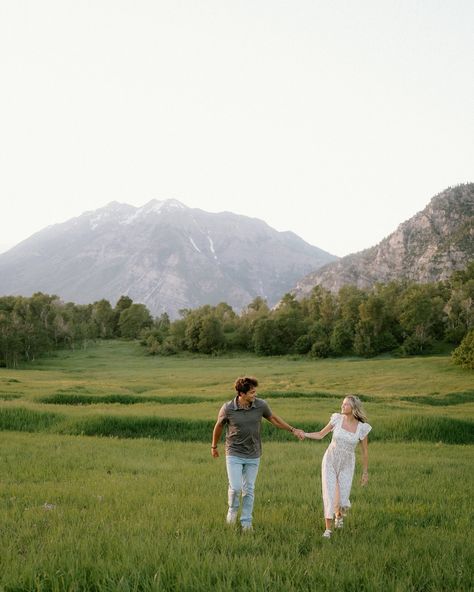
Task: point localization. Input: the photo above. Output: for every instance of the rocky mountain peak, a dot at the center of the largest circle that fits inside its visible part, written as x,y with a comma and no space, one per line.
158,206
162,254
426,248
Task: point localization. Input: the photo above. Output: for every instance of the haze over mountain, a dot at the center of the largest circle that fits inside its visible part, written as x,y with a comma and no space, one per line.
164,255
426,248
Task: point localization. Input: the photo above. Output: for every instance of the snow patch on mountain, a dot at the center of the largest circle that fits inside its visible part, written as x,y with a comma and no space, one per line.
194,245
211,246
154,206
96,221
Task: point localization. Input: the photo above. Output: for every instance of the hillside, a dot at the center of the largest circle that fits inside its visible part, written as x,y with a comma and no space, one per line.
426,248
164,255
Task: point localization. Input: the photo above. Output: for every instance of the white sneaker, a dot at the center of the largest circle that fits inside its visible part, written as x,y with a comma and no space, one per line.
231,517
327,534
338,522
247,528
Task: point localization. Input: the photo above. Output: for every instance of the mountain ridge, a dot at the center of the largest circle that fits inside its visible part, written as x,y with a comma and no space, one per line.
162,254
427,247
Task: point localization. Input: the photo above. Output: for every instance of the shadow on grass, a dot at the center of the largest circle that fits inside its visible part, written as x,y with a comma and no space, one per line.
442,400
9,396
74,399
312,395
64,397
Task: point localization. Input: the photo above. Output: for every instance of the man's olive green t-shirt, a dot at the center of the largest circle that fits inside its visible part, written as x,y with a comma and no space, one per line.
243,427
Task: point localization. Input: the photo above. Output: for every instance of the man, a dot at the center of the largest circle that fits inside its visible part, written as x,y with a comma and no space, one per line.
243,416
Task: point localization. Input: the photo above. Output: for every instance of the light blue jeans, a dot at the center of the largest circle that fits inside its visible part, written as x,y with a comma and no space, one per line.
242,474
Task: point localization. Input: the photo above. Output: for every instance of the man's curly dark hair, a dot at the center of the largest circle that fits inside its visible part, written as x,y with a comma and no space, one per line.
245,383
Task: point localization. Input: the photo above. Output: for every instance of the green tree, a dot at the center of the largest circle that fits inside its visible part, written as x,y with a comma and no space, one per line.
133,320
203,332
227,317
320,340
267,338
374,330
421,317
341,342
211,335
163,323
84,328
104,317
303,344
193,328
289,324
123,303
176,339
350,298
463,355
255,311
258,305
459,309
343,334
314,303
63,332
10,338
154,337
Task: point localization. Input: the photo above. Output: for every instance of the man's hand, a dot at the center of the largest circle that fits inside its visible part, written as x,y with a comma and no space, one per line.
299,434
214,452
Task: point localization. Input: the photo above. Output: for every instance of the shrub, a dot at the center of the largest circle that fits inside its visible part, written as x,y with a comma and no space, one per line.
302,344
463,355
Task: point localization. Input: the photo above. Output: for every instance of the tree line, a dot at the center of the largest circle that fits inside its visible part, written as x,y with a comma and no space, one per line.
40,324
403,317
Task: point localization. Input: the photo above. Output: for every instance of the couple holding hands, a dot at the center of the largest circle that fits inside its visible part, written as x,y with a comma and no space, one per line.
242,418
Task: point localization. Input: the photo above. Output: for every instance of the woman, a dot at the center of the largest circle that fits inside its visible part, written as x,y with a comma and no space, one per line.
349,428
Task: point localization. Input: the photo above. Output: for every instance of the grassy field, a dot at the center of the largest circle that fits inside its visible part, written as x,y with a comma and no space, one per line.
143,509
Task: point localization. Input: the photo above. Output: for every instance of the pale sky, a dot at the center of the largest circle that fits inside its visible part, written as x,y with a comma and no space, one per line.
334,119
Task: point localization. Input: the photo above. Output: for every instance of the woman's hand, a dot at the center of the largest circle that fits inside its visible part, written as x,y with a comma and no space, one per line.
299,434
214,452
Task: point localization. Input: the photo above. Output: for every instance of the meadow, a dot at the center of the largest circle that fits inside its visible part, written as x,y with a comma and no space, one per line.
107,483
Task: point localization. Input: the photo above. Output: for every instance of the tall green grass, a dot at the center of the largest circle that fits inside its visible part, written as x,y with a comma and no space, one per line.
26,420
424,429
395,428
113,495
9,396
142,427
437,400
73,399
98,514
290,394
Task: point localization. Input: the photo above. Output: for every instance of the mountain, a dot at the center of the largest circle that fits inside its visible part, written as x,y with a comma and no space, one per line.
426,248
164,255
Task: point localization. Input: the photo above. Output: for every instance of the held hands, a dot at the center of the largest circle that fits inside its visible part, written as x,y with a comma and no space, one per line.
299,434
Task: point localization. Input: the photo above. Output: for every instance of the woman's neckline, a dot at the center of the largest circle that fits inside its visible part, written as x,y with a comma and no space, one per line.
349,431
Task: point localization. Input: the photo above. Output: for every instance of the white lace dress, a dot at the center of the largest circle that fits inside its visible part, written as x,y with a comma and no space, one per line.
337,469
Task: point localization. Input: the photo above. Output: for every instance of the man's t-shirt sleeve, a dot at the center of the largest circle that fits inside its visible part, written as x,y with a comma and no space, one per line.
222,417
267,412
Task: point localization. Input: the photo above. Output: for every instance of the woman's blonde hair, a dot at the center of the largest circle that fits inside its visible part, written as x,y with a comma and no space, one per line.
357,409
